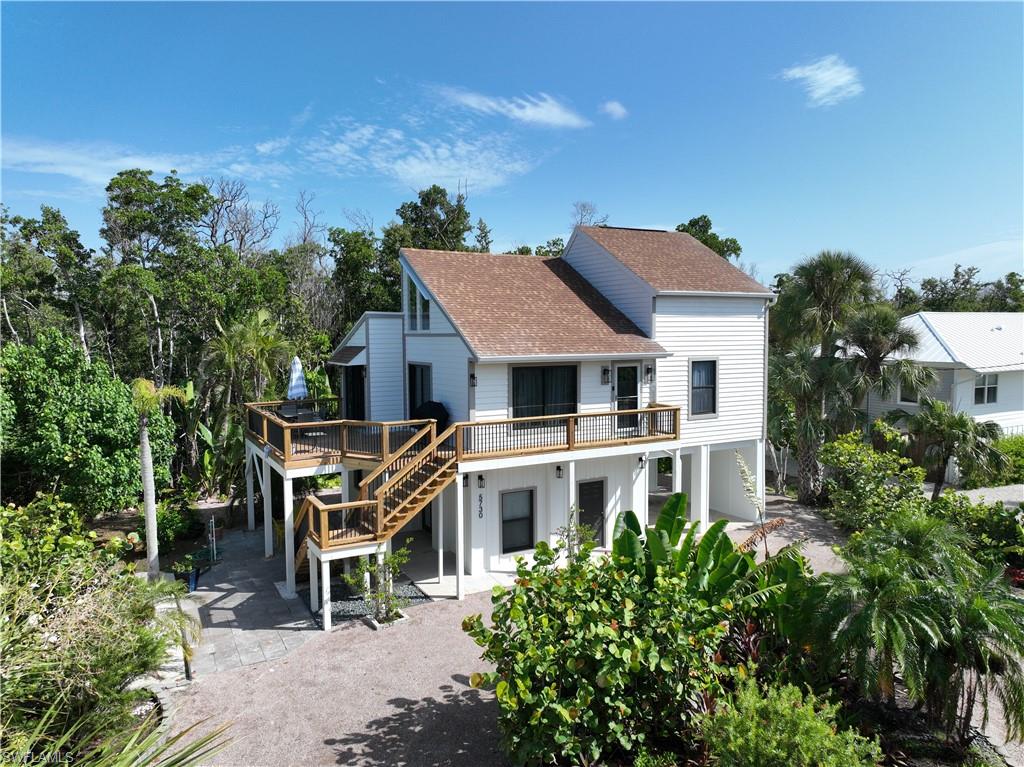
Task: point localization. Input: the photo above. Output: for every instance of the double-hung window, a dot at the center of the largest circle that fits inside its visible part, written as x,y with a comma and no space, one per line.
703,388
543,390
986,389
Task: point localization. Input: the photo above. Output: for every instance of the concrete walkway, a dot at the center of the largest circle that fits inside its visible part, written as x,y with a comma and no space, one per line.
245,620
398,697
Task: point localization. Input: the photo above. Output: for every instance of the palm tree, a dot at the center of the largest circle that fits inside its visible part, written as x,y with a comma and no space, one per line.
941,434
875,342
822,295
148,399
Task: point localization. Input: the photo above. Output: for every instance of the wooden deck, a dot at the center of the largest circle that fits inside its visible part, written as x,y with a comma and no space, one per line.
307,432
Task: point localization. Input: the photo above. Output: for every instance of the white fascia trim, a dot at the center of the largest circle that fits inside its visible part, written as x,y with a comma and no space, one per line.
419,283
362,321
546,459
573,357
769,296
938,337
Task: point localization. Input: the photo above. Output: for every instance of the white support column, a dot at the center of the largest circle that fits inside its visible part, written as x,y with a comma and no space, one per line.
325,585
314,585
677,471
348,489
460,538
366,575
571,474
652,476
758,468
700,479
268,525
645,498
289,538
439,524
250,504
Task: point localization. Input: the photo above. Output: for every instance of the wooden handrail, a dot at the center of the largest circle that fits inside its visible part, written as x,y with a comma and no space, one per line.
451,461
397,454
560,416
439,440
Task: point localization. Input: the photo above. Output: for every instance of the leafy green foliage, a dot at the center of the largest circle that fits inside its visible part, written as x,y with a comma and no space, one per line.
1010,474
994,530
75,430
780,727
611,656
913,603
176,520
44,530
866,485
76,630
700,229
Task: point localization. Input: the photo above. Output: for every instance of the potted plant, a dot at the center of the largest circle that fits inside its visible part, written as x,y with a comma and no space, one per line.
187,569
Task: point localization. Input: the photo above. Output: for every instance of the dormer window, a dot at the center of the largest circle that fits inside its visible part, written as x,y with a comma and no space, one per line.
417,307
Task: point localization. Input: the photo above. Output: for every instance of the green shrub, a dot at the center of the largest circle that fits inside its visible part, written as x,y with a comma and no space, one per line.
780,727
592,662
71,428
605,659
994,529
76,630
1011,474
176,519
867,485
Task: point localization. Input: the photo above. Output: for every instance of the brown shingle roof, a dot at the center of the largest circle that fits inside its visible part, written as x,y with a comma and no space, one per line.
672,261
509,306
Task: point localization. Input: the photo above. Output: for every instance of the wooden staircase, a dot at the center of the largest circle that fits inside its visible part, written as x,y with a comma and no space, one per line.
391,495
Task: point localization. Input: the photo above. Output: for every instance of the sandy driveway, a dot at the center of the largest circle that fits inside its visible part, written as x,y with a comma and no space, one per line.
355,696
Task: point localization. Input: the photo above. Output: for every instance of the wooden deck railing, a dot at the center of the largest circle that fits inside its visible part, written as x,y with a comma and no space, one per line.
299,430
322,436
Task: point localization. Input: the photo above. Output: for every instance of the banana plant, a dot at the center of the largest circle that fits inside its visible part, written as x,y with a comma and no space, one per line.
712,566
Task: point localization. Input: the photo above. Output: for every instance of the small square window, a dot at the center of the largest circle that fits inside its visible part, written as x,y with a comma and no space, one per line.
703,387
908,396
986,389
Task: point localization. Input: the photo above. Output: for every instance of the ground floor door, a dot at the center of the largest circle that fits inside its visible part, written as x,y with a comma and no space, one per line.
355,392
590,497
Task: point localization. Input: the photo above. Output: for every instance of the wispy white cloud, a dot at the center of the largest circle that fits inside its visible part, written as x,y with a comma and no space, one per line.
273,146
303,117
993,258
542,109
827,81
614,109
485,161
93,164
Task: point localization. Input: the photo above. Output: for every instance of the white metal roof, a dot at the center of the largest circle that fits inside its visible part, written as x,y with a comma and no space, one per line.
982,341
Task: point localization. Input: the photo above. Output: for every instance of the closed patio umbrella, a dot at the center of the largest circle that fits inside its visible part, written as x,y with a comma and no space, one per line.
297,381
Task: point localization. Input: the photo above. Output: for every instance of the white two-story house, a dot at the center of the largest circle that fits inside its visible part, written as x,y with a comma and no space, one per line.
560,381
978,359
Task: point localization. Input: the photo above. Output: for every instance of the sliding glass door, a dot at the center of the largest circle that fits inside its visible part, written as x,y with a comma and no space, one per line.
543,390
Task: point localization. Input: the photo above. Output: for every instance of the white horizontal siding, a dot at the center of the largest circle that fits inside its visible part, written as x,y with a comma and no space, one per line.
384,368
449,361
1007,410
618,284
878,406
438,321
491,393
731,330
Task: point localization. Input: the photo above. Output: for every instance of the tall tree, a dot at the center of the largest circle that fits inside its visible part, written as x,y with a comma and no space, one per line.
148,399
483,236
877,344
822,295
586,214
700,228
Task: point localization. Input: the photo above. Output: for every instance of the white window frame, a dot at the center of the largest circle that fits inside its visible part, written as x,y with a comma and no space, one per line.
989,383
718,390
533,520
902,401
417,317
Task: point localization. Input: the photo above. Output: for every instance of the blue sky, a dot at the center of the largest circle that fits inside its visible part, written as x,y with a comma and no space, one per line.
892,130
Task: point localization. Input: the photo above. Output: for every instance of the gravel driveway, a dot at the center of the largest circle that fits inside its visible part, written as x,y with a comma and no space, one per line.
355,696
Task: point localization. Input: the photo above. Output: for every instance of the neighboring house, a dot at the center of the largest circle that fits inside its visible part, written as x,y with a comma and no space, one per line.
979,360
563,379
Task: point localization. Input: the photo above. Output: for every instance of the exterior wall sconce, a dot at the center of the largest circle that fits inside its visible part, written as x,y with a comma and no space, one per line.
465,480
648,373
479,480
558,472
606,376
642,461
472,379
